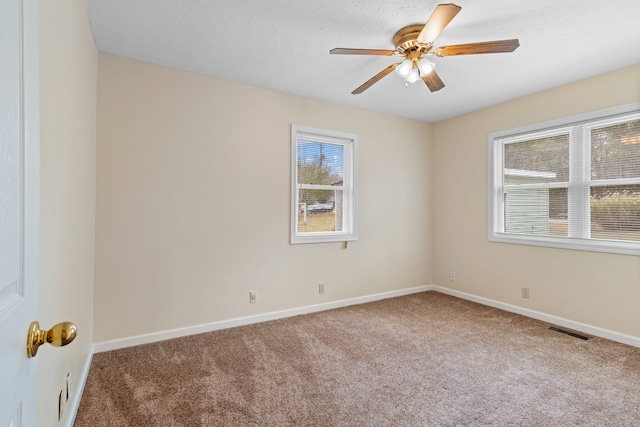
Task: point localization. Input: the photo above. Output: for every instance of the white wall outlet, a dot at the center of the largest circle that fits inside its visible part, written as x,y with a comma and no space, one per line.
253,297
321,288
525,292
452,276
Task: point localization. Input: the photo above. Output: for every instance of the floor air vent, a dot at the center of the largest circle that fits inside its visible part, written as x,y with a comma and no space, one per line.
562,331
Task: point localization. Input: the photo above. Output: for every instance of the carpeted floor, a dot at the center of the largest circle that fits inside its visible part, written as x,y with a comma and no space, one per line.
426,359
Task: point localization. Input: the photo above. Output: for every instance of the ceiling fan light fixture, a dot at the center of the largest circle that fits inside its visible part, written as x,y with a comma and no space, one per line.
415,43
425,66
404,69
414,75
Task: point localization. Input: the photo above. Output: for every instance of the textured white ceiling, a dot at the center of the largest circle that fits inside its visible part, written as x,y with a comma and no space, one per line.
284,45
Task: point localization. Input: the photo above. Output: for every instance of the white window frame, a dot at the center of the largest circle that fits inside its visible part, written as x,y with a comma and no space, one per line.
578,186
349,188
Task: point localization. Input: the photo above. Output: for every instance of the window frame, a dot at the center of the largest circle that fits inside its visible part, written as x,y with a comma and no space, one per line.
349,186
579,183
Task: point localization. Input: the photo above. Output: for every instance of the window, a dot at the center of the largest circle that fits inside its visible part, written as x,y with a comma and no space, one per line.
572,183
323,185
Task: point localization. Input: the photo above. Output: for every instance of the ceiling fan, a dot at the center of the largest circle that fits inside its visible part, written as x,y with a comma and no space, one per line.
415,43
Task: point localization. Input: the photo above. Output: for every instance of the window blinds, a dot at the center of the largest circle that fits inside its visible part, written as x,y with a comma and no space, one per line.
580,181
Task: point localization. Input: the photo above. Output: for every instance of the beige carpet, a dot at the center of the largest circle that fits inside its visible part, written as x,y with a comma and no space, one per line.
422,360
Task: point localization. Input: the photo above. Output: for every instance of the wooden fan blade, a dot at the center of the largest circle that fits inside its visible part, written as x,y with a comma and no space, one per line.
497,46
373,80
433,81
346,51
439,19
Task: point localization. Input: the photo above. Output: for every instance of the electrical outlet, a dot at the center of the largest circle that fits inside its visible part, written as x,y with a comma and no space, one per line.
525,292
321,288
452,276
253,297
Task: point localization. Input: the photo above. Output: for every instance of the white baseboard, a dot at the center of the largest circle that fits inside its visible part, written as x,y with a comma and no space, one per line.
582,327
79,390
241,321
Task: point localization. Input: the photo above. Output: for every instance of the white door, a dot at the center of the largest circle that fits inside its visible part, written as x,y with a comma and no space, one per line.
18,208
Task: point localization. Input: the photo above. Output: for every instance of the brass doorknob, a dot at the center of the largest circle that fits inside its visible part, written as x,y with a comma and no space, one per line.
60,335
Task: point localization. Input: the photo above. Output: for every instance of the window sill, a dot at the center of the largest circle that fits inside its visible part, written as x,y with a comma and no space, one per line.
593,245
323,238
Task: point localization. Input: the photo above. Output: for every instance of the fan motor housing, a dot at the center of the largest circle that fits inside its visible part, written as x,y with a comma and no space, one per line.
407,38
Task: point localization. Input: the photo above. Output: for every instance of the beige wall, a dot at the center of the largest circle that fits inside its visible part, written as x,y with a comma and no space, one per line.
193,199
68,64
192,203
598,289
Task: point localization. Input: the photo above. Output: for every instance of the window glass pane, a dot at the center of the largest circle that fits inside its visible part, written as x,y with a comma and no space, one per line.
320,211
539,211
537,160
615,212
320,163
615,151
558,212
